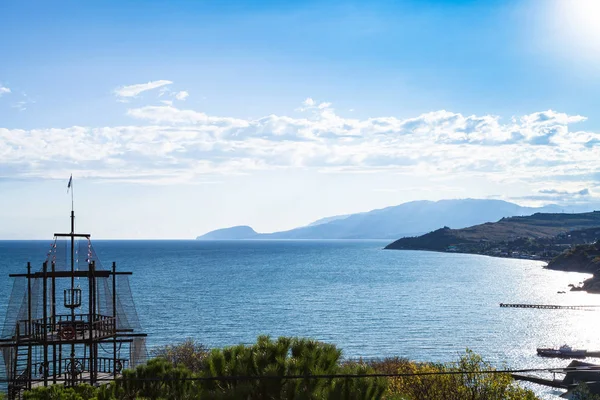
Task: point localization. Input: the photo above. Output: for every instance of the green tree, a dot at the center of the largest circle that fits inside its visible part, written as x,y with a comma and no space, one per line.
275,359
357,388
158,379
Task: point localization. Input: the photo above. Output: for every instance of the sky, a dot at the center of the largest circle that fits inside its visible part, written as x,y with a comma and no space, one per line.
176,118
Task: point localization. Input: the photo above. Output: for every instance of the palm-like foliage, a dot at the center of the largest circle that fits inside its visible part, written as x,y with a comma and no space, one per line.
273,360
158,379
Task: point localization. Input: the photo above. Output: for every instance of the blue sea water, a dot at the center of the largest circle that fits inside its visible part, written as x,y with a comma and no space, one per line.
369,301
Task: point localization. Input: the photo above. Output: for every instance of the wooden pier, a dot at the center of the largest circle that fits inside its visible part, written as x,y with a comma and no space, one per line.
549,306
555,383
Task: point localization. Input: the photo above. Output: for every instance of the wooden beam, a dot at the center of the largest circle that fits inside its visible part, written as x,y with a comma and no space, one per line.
83,235
68,274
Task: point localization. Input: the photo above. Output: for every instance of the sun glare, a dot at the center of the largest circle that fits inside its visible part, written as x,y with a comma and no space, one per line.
577,24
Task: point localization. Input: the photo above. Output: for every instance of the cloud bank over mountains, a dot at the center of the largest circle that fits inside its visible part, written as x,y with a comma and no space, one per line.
165,143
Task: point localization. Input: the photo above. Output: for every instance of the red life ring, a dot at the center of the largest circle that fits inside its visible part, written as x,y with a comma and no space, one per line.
68,332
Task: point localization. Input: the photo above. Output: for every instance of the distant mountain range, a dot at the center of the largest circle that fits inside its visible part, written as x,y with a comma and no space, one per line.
407,219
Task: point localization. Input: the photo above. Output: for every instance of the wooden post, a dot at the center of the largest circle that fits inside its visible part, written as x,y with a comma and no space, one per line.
53,321
29,326
15,375
45,322
91,319
73,322
114,313
94,349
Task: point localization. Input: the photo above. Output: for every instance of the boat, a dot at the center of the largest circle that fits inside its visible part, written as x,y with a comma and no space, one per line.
564,351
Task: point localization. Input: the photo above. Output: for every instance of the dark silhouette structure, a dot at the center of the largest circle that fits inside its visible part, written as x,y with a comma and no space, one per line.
71,321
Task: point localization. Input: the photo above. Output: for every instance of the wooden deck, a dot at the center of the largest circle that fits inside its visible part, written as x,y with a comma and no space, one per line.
103,377
55,338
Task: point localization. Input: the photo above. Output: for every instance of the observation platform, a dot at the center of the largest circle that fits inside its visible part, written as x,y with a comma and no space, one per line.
61,329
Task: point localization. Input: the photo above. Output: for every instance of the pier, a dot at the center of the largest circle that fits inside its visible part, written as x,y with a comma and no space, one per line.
549,306
555,383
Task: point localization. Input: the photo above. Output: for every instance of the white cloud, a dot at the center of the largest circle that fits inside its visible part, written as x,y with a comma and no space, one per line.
309,102
20,105
172,144
4,90
182,95
134,90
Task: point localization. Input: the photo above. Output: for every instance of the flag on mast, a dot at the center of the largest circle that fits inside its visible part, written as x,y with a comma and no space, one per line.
69,184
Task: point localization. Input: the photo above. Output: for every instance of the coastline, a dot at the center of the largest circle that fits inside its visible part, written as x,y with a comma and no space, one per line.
546,260
590,285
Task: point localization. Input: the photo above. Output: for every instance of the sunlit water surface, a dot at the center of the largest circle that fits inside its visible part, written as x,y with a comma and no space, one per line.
370,302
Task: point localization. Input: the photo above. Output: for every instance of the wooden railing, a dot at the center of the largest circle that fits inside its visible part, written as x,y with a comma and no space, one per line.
63,328
64,367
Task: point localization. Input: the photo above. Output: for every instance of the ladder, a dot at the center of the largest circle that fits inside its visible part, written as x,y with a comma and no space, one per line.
21,373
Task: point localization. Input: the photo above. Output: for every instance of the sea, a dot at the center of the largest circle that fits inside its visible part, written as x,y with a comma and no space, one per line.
370,302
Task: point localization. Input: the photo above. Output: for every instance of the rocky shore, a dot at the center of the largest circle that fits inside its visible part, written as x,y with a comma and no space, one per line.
581,258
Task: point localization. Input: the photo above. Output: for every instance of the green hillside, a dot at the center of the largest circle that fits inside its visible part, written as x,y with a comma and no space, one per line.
542,236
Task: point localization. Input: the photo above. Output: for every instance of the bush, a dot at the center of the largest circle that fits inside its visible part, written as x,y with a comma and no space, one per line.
286,356
470,385
58,392
189,354
158,379
162,379
169,379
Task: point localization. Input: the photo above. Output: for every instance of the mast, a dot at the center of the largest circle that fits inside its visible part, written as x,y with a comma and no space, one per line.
72,248
70,186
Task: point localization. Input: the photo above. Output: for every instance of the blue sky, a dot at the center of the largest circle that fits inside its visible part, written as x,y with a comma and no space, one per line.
180,117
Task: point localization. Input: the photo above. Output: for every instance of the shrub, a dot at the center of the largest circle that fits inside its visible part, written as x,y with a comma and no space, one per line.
158,379
189,354
357,388
58,392
286,356
162,379
471,384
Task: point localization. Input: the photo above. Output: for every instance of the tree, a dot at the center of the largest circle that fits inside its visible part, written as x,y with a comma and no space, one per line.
273,360
158,379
